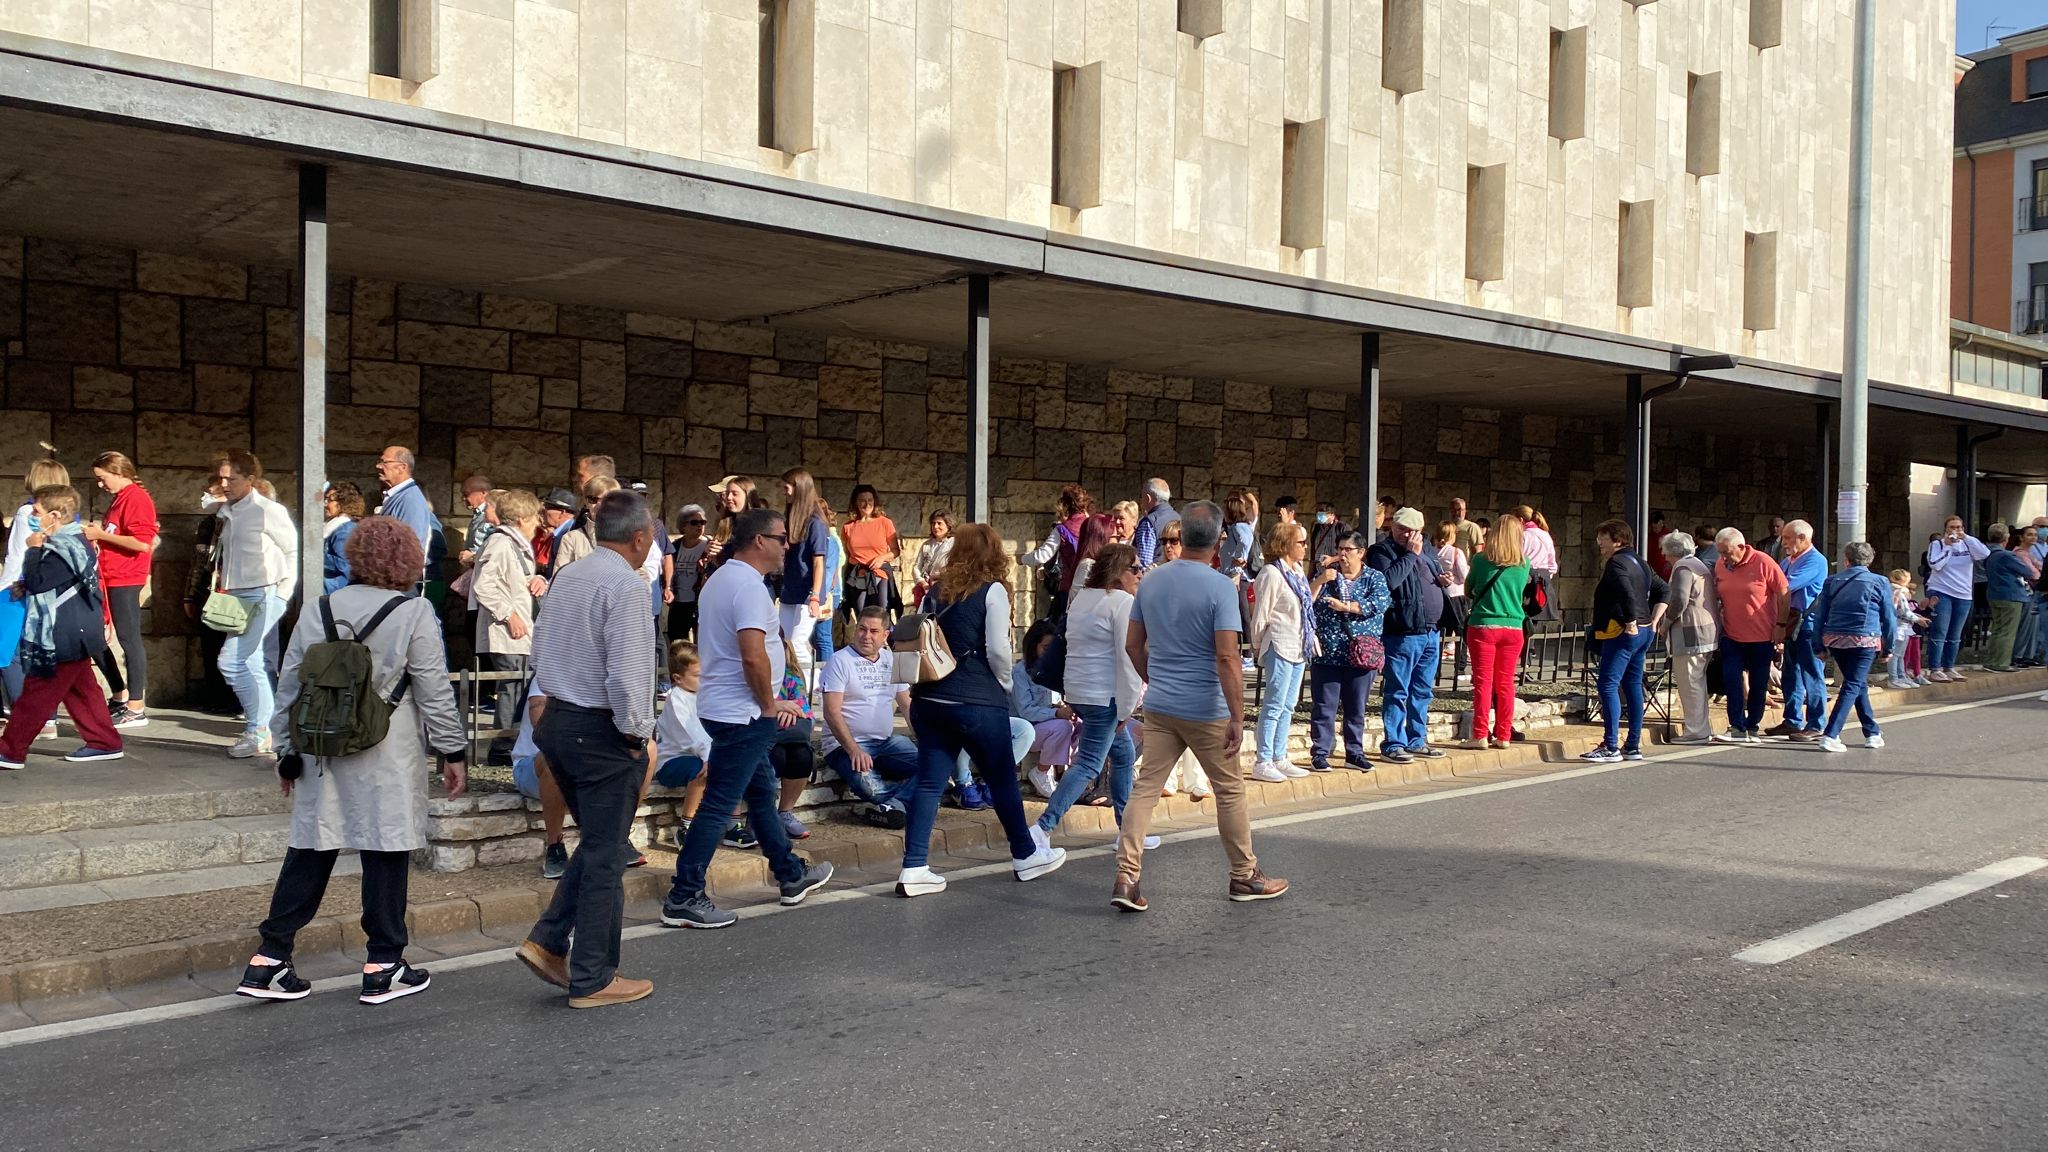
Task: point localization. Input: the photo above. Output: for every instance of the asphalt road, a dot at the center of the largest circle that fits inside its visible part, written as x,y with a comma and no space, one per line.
1543,967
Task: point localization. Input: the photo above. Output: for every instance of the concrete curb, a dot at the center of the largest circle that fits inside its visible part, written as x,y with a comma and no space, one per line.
54,988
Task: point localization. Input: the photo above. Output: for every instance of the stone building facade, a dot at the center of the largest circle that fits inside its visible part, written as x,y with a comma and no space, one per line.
1674,170
171,359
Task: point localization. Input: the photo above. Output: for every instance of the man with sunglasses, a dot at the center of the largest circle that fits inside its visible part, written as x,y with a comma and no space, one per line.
690,548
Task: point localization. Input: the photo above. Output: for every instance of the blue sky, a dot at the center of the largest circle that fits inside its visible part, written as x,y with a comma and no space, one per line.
2011,16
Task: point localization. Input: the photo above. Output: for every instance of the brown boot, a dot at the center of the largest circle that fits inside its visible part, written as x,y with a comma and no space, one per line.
1257,886
619,991
544,964
1126,897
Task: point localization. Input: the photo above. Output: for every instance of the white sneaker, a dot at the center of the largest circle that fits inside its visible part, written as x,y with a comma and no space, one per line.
1830,744
1043,862
1265,771
249,745
1041,781
1151,842
919,882
1732,736
1956,677
1292,772
49,731
1936,677
1876,741
1041,840
1922,682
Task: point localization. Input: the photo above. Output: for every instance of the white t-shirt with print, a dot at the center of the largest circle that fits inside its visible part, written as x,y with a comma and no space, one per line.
869,694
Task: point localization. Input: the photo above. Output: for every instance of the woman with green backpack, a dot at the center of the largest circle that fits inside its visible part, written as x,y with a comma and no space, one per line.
364,676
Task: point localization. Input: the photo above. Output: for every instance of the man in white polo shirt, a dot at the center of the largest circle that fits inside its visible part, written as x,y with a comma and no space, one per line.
862,701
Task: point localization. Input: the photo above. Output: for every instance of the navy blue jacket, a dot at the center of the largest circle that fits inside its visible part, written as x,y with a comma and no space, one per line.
1417,601
79,633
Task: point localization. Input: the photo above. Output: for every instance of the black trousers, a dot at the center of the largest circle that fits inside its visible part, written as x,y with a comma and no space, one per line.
125,605
598,769
302,883
682,623
507,696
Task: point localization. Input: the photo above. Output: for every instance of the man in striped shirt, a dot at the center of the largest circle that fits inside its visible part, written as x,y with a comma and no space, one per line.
594,659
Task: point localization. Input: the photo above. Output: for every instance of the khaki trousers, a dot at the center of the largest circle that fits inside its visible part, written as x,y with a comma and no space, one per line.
1165,738
1690,669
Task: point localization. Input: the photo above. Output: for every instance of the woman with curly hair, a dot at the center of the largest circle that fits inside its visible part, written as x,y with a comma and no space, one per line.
344,506
969,711
373,801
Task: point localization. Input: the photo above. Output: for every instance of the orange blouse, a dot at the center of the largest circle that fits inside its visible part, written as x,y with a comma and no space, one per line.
869,542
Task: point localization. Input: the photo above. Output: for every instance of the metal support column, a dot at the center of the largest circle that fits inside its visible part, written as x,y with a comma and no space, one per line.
1855,449
1368,430
1637,500
1966,476
978,442
312,374
1823,480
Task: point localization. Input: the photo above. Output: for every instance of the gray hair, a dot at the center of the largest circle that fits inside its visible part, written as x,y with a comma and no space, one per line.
1156,488
619,515
1799,529
1679,544
1997,534
1732,537
1858,554
404,456
1201,525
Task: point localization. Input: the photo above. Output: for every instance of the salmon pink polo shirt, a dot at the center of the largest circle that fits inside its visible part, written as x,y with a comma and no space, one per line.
1751,590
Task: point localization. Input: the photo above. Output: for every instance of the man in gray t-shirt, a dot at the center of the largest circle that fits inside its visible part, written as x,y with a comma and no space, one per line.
1184,641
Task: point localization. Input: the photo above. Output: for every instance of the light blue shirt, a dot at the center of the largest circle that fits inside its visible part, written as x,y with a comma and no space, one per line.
407,503
1183,605
1804,577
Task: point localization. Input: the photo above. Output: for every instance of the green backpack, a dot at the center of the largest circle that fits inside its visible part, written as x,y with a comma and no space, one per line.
339,712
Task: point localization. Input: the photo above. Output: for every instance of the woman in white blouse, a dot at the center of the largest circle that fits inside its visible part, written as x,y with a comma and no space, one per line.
1102,685
1283,637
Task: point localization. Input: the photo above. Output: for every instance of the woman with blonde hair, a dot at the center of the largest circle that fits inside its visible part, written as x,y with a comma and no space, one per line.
1126,514
968,710
501,597
1493,632
1283,637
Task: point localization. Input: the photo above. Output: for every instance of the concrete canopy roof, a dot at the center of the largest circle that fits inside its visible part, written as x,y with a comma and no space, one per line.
116,150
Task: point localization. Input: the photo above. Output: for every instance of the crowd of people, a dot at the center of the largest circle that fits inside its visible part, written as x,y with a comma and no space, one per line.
705,653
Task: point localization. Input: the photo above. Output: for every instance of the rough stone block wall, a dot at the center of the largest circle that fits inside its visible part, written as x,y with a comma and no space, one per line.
171,359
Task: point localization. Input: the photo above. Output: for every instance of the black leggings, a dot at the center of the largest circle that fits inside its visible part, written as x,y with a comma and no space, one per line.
792,760
301,883
125,604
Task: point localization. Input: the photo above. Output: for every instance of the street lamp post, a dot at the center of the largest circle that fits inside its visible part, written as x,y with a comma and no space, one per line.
1850,513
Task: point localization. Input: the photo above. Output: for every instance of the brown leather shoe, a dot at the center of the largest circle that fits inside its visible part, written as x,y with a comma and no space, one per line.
619,991
1126,897
1257,886
1807,736
544,964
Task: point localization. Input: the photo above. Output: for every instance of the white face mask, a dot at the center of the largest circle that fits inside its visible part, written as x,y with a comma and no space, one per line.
208,501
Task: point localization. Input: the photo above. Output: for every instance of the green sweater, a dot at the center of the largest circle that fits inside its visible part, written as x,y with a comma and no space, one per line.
1494,594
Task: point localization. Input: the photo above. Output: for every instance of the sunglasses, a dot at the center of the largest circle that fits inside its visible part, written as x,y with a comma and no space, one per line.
687,522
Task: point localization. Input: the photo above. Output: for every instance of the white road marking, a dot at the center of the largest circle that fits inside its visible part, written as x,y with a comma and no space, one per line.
40,1033
1839,928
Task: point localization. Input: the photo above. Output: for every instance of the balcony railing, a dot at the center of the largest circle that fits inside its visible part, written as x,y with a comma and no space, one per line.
2030,314
2032,214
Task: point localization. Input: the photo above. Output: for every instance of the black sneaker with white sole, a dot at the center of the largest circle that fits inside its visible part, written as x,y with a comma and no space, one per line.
273,982
815,877
388,984
696,912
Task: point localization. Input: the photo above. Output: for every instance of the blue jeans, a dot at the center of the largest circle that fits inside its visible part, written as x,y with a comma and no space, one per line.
1276,709
821,641
1945,634
1406,686
1022,737
737,769
893,779
1102,737
1621,678
1855,665
1806,686
1752,659
1895,665
246,660
944,731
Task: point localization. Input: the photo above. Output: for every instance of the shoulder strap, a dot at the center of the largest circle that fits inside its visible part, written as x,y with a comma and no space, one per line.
327,620
1475,597
390,606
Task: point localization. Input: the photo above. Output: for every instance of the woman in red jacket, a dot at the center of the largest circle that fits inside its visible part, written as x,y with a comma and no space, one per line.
126,537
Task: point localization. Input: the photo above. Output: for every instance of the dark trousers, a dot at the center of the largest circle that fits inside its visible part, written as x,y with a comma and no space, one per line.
509,695
72,686
737,770
1337,689
302,884
125,606
598,770
682,622
1746,679
943,732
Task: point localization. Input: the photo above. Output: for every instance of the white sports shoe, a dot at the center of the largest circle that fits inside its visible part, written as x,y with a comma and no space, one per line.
1042,782
1264,770
1043,862
1041,839
1151,842
919,882
1291,771
1876,741
250,744
1831,744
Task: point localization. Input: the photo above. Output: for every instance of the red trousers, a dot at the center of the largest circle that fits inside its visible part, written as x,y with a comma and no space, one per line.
1495,653
73,686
